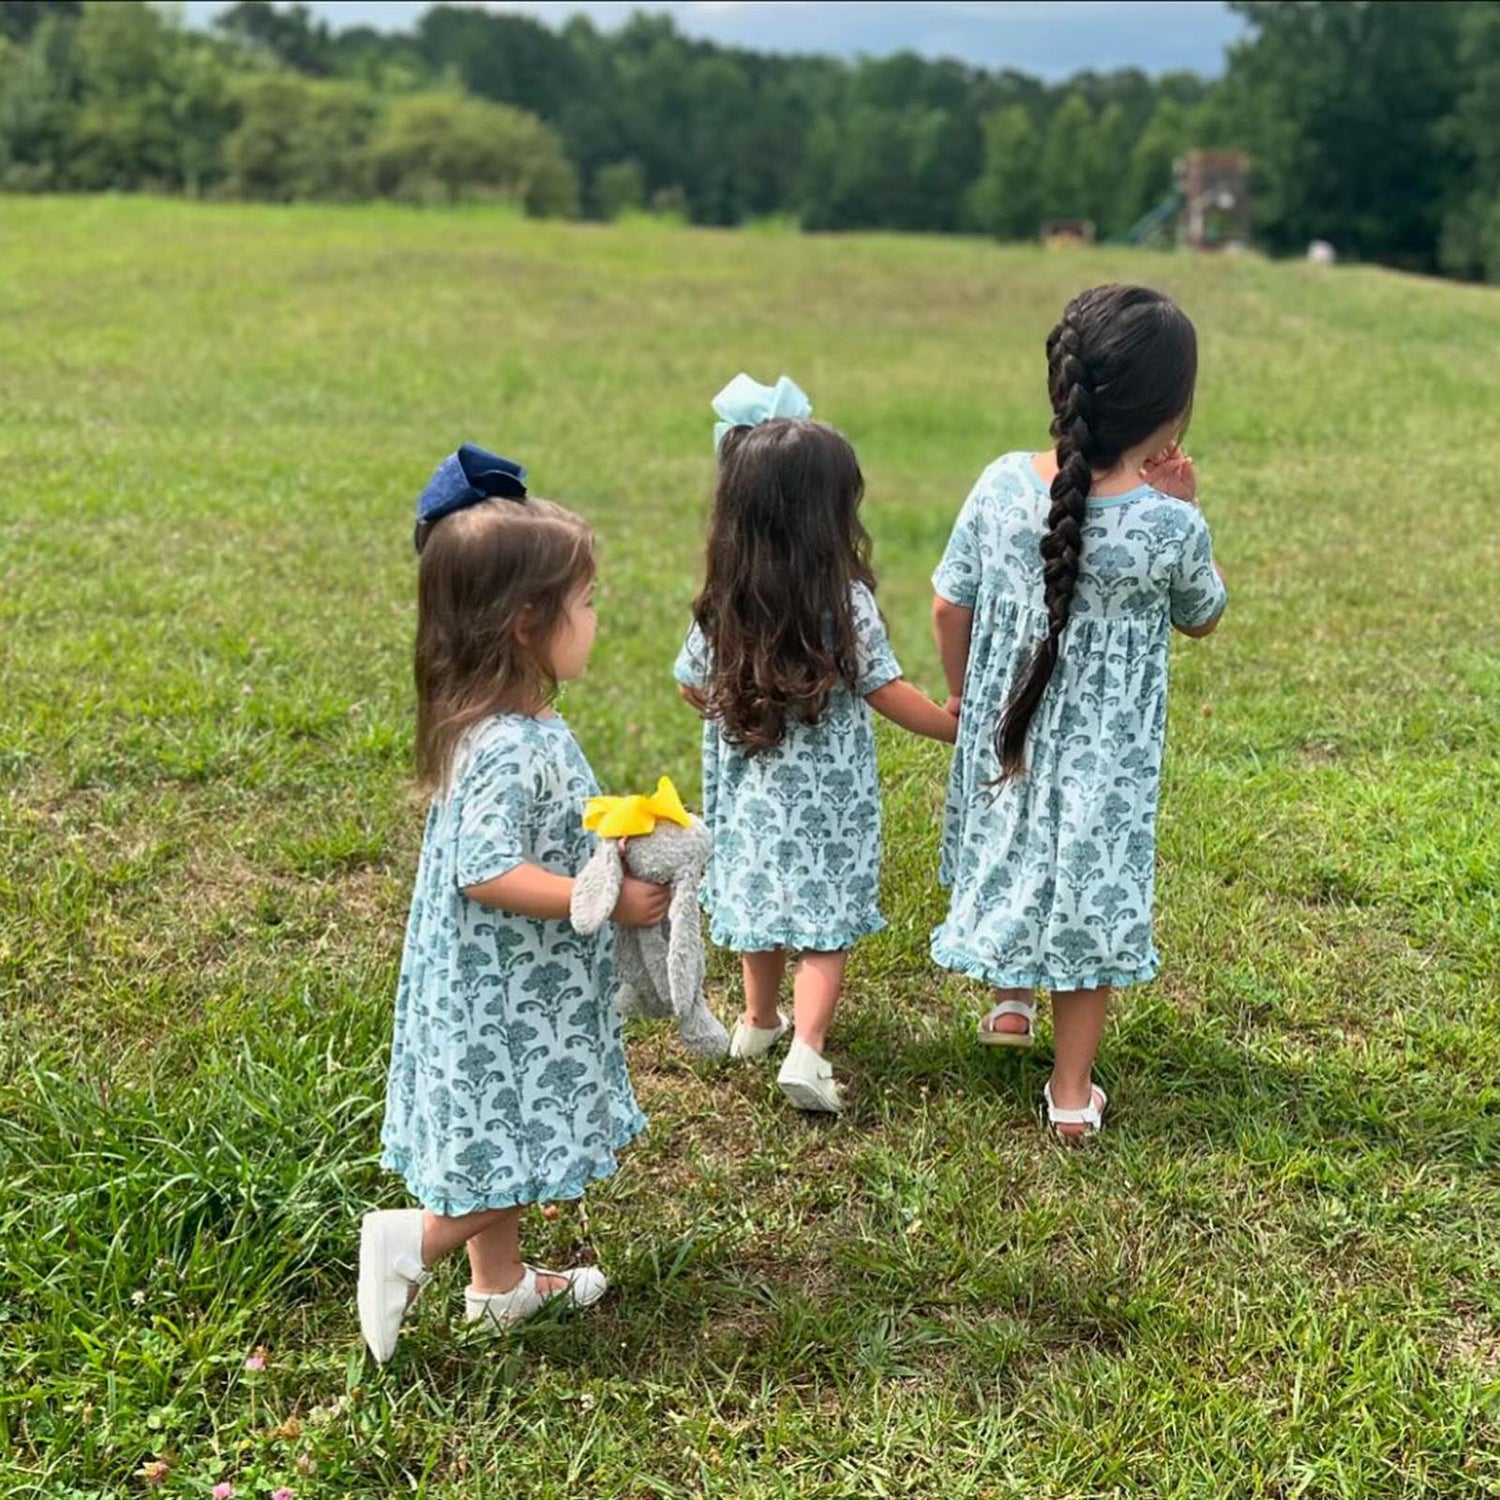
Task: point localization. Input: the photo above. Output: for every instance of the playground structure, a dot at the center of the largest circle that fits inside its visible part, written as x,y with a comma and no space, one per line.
1208,209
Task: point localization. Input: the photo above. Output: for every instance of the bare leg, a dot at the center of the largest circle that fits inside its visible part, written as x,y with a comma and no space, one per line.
763,976
1077,1029
495,1263
820,977
1012,1025
493,1238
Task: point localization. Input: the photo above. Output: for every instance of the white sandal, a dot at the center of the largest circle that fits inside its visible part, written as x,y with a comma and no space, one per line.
989,1037
585,1285
748,1042
1091,1116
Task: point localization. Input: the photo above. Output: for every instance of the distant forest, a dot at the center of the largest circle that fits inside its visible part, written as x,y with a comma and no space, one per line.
1374,124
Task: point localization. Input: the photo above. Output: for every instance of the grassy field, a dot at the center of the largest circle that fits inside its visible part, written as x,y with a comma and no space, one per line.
1278,1271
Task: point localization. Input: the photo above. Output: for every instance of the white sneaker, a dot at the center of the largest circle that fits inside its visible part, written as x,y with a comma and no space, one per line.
390,1265
749,1042
806,1078
585,1286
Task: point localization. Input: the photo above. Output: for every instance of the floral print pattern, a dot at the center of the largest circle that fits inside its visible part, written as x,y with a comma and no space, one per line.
796,861
1052,875
508,1082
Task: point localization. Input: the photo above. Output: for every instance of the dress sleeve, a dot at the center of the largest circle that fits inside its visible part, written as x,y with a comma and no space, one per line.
957,575
877,662
691,669
1198,593
497,793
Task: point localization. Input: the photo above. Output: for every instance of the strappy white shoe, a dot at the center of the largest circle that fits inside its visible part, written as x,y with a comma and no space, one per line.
1091,1116
501,1310
390,1266
1026,1009
806,1078
749,1042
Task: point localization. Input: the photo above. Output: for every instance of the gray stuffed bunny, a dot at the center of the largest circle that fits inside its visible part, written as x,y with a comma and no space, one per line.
660,968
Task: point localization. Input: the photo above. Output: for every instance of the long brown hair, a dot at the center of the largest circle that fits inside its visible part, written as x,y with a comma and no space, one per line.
784,546
1122,361
493,585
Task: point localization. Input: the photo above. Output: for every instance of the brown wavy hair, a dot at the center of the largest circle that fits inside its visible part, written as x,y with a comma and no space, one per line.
493,585
1121,362
784,547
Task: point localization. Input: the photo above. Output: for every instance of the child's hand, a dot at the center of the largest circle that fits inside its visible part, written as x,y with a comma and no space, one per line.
953,706
1173,474
642,903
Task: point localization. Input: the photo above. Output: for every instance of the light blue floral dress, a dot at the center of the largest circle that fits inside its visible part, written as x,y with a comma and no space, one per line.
1051,876
507,1082
796,861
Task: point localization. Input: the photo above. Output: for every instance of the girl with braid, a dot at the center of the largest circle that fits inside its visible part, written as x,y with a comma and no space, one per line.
1065,575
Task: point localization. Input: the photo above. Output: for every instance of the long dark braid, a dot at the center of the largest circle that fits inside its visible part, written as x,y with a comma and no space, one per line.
1121,362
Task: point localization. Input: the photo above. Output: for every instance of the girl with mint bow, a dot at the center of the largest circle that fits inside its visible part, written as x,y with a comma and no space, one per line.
508,1083
786,657
1063,581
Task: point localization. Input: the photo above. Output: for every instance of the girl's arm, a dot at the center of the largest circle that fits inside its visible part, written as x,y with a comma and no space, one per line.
693,698
952,626
914,711
530,891
1197,632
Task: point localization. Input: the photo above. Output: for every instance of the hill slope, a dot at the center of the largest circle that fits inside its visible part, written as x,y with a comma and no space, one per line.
1276,1273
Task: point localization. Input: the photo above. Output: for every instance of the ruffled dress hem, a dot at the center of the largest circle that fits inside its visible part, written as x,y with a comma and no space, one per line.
797,940
949,956
536,1190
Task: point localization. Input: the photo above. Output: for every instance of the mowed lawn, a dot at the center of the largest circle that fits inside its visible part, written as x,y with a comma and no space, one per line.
1276,1273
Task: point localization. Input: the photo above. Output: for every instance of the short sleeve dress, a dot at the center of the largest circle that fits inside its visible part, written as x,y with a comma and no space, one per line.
508,1082
796,861
1051,876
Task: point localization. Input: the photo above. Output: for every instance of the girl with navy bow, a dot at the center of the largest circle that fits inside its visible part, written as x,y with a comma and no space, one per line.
786,657
508,1083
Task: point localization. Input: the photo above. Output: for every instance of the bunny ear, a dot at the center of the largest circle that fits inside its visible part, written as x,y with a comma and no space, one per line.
597,889
685,958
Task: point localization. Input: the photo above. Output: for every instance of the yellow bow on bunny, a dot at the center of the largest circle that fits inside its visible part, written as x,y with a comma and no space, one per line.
635,817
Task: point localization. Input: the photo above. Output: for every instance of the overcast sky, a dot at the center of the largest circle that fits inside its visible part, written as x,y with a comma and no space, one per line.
1049,38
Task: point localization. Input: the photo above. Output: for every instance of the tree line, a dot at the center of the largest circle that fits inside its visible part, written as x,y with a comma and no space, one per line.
1371,123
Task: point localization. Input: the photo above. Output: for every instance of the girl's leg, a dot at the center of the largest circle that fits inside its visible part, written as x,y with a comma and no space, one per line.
763,976
495,1263
1077,1029
1011,1025
815,994
442,1235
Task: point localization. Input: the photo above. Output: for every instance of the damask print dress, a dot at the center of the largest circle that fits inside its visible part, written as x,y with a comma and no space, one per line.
508,1082
796,861
1052,875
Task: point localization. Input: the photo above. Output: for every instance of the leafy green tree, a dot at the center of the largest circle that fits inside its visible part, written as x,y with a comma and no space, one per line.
300,138
447,148
19,18
619,188
1005,201
1340,101
1068,178
1148,177
1470,243
288,34
39,98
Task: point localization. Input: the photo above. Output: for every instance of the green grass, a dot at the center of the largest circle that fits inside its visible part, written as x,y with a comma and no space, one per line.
1277,1273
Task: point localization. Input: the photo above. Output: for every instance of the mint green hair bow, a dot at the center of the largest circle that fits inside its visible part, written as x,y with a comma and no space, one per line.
747,403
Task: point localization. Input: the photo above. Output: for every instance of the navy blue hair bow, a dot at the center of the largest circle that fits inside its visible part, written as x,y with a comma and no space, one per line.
465,478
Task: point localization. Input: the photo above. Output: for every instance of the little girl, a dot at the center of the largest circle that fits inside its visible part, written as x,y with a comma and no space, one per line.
1055,599
786,657
507,1081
